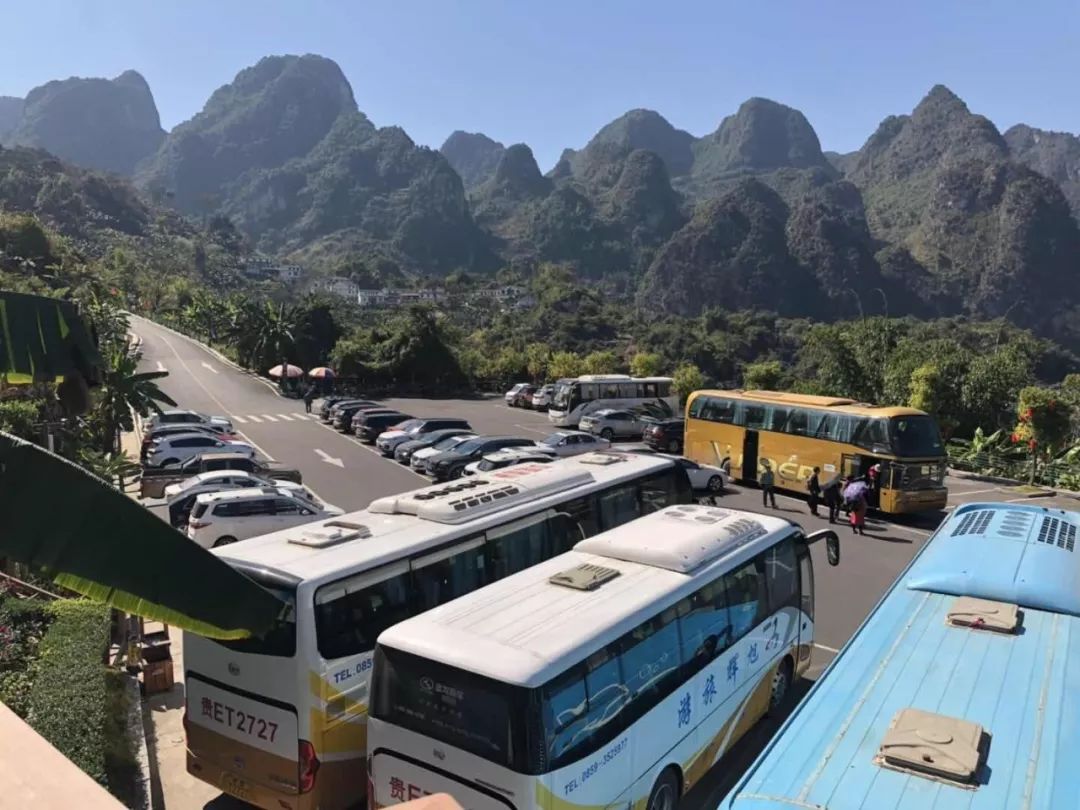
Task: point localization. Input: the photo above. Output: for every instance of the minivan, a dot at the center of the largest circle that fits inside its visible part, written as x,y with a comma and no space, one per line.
370,425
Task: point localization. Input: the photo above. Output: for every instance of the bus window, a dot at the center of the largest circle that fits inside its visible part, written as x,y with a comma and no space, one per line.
806,580
629,390
608,695
518,546
746,599
776,417
618,505
874,435
750,415
797,423
583,511
348,622
610,391
664,388
446,575
837,427
661,490
715,409
915,436
651,390
566,709
650,657
782,576
697,407
704,625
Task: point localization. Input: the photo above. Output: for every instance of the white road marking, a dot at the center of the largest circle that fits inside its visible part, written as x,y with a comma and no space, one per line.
285,417
955,493
268,417
255,419
239,419
832,650
209,367
337,462
161,366
247,439
534,430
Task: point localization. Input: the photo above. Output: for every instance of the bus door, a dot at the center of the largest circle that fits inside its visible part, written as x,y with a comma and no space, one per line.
850,466
806,604
750,455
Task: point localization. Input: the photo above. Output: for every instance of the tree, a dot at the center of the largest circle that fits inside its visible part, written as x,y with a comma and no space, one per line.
125,389
646,364
1042,424
687,379
930,392
600,362
764,376
565,364
537,358
508,365
265,333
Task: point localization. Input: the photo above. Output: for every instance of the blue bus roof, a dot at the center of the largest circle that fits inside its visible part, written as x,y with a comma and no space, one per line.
1017,686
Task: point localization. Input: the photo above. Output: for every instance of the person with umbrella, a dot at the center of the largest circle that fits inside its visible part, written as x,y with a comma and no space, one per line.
855,497
830,493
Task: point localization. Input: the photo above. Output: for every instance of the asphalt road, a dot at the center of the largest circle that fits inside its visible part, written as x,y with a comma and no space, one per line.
349,474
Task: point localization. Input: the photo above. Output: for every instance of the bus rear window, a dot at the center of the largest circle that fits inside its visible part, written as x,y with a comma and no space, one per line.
914,436
280,640
459,708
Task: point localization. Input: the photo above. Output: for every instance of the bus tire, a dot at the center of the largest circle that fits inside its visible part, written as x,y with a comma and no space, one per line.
781,684
224,541
665,792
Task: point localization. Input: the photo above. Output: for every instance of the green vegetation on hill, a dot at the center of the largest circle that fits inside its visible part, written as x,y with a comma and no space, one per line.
1055,155
472,155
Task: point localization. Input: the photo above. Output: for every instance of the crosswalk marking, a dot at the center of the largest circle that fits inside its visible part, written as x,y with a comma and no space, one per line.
254,419
239,419
268,417
285,417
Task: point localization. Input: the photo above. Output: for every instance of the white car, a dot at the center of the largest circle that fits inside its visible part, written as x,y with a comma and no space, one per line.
180,498
177,449
703,477
541,400
511,395
508,457
220,518
571,443
420,456
179,417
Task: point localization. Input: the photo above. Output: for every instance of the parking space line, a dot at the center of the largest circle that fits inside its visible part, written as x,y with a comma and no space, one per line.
955,493
832,650
285,417
255,419
268,417
533,430
239,419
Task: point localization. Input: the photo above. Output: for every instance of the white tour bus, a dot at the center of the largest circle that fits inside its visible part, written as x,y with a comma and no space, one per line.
611,676
280,721
573,398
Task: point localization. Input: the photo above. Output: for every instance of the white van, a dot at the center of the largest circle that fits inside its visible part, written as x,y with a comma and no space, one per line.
220,518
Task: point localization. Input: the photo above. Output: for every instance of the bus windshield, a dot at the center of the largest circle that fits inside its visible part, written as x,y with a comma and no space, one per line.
914,436
561,397
460,708
280,640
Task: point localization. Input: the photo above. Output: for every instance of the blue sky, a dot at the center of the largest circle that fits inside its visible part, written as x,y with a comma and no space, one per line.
552,72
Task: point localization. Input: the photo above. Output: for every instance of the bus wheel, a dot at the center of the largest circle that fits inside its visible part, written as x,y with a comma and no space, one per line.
781,684
665,793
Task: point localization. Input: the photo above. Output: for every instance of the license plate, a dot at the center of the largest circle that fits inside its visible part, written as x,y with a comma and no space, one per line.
237,788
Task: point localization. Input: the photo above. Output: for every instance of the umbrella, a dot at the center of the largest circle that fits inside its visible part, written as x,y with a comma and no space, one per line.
321,373
104,545
855,490
291,371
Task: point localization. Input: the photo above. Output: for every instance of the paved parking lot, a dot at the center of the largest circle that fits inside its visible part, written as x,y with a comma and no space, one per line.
349,474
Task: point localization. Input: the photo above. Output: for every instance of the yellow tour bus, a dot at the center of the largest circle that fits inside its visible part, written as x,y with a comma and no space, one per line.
743,430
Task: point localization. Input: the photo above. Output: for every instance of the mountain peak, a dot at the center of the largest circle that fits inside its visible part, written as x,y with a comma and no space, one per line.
473,155
518,173
638,129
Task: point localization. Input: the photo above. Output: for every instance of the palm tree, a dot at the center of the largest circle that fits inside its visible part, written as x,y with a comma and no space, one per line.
265,333
124,389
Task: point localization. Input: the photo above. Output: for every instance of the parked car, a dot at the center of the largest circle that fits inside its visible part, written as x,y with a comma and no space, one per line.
178,448
343,414
665,435
613,424
220,518
153,482
327,404
541,400
703,477
374,424
415,428
180,417
181,497
512,395
451,463
571,442
507,457
161,431
420,455
523,398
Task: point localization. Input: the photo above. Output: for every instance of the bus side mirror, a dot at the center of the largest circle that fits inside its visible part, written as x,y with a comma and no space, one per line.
832,544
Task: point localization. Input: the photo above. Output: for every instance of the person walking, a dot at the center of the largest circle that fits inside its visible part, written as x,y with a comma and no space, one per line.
813,486
309,397
768,485
858,514
831,495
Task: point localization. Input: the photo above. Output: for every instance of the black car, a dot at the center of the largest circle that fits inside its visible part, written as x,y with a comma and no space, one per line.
451,464
329,402
373,424
665,435
417,428
403,452
343,414
368,410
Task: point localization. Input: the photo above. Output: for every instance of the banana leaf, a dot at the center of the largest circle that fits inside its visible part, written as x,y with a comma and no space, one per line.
44,340
95,540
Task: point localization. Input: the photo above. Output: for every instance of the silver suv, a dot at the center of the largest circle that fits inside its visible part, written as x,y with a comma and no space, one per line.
613,424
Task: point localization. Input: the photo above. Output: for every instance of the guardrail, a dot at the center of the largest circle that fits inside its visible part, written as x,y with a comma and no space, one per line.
996,465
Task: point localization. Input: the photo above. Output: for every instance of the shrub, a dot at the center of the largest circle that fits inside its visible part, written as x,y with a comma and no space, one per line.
67,700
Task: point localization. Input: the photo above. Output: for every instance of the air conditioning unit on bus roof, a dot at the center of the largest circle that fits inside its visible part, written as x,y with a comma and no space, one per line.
462,500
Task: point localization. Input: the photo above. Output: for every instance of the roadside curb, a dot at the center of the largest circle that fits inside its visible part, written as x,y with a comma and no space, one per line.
137,730
1045,492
